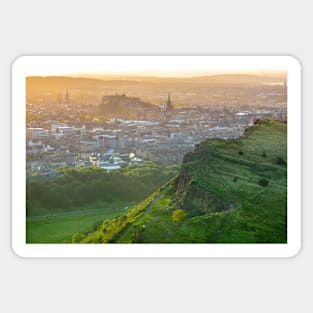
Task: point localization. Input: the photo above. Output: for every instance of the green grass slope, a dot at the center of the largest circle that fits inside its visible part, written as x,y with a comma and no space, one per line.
81,199
233,191
61,227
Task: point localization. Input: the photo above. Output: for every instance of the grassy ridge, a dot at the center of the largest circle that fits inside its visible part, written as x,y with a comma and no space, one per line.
249,175
231,170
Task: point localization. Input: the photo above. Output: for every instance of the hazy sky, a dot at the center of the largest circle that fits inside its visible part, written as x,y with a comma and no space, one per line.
167,73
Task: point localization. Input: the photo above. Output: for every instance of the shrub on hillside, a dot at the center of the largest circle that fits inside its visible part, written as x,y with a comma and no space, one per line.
179,215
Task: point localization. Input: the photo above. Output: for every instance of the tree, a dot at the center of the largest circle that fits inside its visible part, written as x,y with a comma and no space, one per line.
179,215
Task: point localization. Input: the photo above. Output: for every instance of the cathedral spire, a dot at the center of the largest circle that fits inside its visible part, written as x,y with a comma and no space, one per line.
169,103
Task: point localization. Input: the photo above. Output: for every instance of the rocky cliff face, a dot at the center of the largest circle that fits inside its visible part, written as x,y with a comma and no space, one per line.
191,196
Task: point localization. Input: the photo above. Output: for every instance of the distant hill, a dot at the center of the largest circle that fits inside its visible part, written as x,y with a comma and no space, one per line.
240,79
81,90
203,90
37,83
232,191
44,83
253,77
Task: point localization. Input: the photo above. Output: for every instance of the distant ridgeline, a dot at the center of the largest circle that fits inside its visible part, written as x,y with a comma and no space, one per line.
127,107
228,191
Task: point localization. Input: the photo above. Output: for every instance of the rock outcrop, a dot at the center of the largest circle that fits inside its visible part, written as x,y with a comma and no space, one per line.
193,197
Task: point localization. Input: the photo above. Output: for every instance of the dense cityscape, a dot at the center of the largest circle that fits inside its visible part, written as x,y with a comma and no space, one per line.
69,133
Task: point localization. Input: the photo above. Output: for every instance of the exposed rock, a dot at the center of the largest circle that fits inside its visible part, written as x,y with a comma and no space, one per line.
197,200
190,195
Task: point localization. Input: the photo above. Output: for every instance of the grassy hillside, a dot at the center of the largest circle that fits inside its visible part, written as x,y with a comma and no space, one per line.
81,199
59,228
233,191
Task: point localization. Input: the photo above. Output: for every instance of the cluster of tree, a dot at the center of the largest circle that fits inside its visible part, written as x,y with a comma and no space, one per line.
81,186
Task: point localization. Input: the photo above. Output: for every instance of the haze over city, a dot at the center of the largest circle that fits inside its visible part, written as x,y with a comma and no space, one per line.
99,142
153,118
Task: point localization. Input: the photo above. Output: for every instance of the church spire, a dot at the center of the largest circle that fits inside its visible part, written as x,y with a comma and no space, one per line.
169,103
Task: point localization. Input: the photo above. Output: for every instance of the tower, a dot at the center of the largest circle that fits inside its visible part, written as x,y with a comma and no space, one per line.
166,108
169,105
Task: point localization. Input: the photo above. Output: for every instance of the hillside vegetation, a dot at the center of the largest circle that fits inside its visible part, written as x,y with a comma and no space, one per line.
82,198
79,187
232,191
